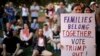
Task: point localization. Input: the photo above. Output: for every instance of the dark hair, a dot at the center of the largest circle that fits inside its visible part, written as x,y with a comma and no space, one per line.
37,32
27,25
74,5
45,24
88,7
62,2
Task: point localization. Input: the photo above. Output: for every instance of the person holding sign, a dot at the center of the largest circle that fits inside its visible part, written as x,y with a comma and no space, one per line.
77,33
76,8
87,9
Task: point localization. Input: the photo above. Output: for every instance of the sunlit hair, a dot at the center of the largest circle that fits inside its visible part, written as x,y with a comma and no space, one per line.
37,33
50,6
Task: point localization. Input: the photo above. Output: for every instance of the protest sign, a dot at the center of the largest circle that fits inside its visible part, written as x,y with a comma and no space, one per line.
78,34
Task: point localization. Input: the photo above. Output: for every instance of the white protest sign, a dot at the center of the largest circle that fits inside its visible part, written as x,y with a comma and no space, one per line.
78,34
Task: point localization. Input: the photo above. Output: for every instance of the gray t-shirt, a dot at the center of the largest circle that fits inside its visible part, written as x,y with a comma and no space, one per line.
61,10
58,12
34,11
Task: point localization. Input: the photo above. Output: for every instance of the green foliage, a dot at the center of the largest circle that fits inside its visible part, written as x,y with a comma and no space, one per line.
44,2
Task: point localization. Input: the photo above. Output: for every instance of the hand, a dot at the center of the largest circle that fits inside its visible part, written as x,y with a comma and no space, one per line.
3,53
61,46
13,54
49,41
27,43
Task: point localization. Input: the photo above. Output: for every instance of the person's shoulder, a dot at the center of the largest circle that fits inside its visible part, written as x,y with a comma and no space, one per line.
37,6
37,23
30,29
12,29
45,37
31,6
58,8
21,29
5,40
50,30
5,30
35,38
32,23
15,37
98,10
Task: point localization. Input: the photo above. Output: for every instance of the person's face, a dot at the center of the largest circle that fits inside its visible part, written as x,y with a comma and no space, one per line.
24,5
46,27
34,3
82,5
34,20
87,10
61,4
19,21
93,7
10,4
40,32
8,25
20,6
7,5
77,9
25,26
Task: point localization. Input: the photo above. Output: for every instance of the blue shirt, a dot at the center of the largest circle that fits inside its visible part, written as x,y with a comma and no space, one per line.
34,26
10,11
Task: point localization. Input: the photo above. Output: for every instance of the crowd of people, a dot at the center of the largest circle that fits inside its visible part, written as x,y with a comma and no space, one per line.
21,28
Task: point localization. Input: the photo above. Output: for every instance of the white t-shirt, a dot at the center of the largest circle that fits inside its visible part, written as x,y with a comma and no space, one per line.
25,11
41,42
34,13
56,7
48,33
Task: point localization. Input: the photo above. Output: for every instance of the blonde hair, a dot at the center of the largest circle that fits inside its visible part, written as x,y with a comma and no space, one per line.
50,5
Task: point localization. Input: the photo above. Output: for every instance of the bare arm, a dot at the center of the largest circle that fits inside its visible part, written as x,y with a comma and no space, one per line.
46,15
18,46
21,38
30,36
4,50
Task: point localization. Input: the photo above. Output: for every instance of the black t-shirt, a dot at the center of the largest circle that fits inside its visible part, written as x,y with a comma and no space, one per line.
56,35
11,44
30,30
49,11
9,33
1,11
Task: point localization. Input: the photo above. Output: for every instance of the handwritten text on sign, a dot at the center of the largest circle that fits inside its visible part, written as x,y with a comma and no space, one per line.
77,32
